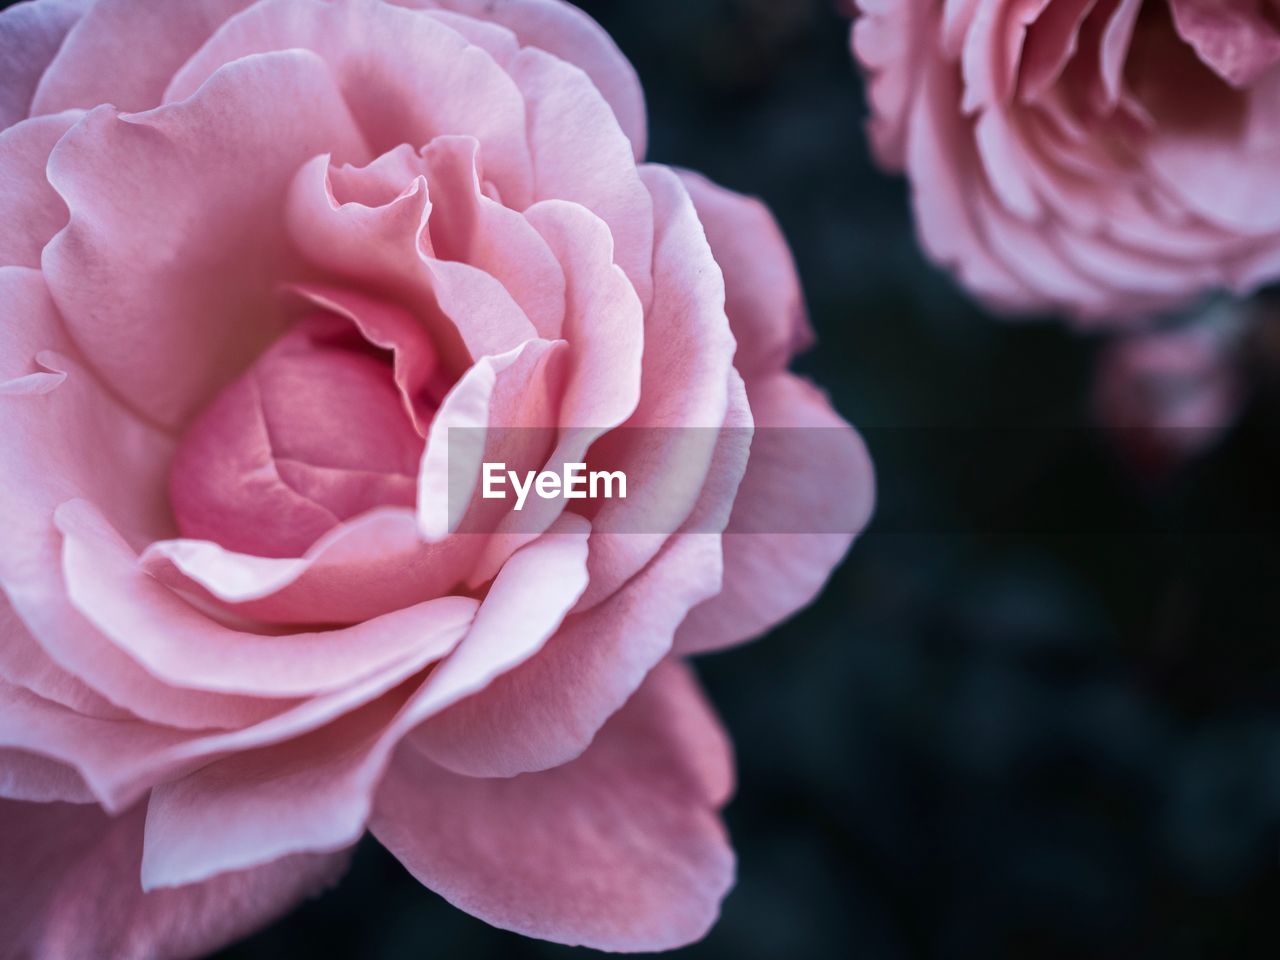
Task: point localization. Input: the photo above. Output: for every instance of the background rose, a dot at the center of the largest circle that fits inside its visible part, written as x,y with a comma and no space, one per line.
1102,158
198,226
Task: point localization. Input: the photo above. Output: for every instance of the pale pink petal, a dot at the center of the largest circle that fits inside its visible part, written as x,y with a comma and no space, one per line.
369,566
562,29
525,605
415,363
688,356
763,298
391,65
30,35
1051,42
468,313
183,646
70,890
77,442
314,433
545,711
889,38
620,849
581,154
24,663
517,393
314,792
605,330
168,314
942,167
104,753
310,793
809,488
89,69
121,759
30,209
469,227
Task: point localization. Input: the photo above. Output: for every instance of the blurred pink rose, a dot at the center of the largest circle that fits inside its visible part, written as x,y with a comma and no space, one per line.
1168,395
258,259
1102,157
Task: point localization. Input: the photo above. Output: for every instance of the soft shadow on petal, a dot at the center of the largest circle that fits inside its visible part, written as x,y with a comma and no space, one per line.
30,35
70,889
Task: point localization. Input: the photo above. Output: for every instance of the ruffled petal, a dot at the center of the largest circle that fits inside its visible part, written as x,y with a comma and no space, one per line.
313,792
29,207
167,313
565,31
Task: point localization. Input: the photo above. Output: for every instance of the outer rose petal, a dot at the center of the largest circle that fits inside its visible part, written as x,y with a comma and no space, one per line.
89,69
620,849
391,65
770,574
763,298
687,360
30,209
545,711
70,890
562,29
30,35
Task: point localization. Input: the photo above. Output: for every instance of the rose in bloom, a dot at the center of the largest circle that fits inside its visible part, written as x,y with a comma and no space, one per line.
259,258
1102,157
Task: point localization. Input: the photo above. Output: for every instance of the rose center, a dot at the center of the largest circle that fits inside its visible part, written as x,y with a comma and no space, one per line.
314,433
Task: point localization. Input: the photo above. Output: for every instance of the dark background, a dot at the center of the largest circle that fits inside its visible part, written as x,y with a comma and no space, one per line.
1059,742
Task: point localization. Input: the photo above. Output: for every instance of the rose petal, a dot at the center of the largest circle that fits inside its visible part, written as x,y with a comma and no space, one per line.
31,209
37,779
771,567
77,441
688,356
70,889
314,792
763,299
168,314
30,35
619,850
89,69
580,154
391,64
565,31
184,647
1236,38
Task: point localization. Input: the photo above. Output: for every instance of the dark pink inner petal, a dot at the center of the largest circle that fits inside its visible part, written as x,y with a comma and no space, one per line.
1239,39
315,432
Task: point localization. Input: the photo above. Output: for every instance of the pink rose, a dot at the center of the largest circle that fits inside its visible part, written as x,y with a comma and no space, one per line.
1103,158
259,259
1169,395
